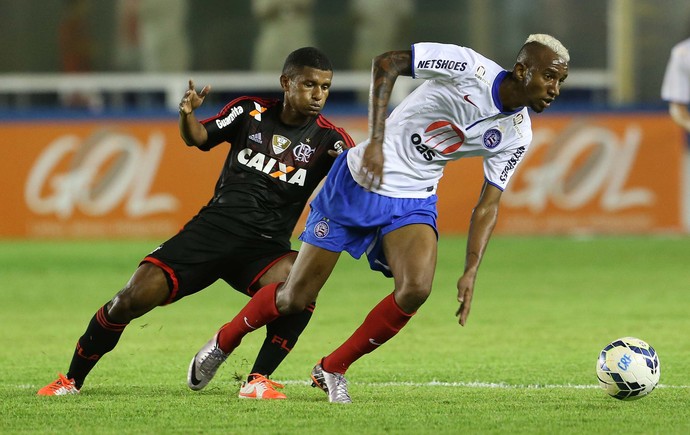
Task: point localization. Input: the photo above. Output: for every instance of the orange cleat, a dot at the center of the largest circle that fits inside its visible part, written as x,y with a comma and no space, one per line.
261,388
60,387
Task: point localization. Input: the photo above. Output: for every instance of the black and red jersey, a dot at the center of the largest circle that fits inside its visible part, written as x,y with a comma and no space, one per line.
271,169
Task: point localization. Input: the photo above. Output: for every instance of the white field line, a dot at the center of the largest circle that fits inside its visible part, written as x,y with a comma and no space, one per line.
473,385
499,385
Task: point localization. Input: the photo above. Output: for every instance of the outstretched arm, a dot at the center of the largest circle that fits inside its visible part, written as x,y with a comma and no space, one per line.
192,131
482,223
385,70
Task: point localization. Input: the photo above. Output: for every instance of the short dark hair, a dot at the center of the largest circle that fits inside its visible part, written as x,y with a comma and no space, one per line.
306,57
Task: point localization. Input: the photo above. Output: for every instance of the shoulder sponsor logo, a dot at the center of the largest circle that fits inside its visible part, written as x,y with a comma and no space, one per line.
303,152
272,167
453,65
517,120
258,110
339,147
227,120
280,143
512,163
480,73
492,138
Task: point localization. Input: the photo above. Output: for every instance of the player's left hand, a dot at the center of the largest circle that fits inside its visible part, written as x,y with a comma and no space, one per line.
465,293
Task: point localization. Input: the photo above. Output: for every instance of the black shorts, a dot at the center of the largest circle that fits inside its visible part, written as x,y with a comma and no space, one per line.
201,253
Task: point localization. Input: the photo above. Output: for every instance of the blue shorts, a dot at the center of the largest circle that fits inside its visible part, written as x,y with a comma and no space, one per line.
346,217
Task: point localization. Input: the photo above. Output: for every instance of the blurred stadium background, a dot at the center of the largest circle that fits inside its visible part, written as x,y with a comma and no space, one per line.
89,90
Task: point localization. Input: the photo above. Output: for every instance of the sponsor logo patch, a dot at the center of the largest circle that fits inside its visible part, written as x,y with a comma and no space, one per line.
339,146
450,64
227,120
480,73
517,120
512,163
272,167
444,137
258,110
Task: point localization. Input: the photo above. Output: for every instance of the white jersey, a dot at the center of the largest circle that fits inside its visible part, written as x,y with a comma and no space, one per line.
456,113
676,85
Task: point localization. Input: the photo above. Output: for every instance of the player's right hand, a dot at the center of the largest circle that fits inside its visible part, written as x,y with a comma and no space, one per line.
191,99
372,166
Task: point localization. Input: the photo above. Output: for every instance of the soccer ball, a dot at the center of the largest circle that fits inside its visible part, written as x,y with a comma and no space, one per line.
628,368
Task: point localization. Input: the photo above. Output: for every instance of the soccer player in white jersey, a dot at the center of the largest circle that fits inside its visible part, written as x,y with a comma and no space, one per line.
380,197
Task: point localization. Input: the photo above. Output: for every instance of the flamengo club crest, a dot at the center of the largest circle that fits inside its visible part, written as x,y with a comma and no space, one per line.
280,143
303,152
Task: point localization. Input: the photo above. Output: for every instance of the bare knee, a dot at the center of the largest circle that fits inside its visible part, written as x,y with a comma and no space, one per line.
411,296
147,289
127,306
309,273
289,301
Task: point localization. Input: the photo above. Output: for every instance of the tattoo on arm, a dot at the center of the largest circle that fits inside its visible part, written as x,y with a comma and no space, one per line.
385,70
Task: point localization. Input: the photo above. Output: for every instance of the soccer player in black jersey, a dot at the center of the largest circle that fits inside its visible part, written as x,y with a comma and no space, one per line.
280,151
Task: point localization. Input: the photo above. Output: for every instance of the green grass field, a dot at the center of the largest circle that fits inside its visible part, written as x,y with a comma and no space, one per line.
543,309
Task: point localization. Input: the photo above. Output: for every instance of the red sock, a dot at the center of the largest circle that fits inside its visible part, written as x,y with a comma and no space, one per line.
260,310
382,323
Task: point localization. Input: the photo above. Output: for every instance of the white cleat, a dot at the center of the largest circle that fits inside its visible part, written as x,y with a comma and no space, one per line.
333,384
205,364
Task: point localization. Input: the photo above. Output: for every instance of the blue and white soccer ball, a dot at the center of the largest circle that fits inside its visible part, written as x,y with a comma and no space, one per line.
628,368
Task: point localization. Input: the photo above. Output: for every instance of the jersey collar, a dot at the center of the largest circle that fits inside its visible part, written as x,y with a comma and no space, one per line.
494,93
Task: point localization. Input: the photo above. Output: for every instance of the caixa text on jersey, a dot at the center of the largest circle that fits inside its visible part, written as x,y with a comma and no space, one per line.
269,165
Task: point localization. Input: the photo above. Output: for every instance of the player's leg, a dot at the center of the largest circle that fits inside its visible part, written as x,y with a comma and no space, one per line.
147,288
263,308
281,336
283,332
411,255
309,273
410,252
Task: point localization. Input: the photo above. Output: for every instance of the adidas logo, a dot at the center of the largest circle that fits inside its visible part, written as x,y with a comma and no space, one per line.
256,137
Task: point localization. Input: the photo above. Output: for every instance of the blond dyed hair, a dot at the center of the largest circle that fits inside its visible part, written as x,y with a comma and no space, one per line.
551,42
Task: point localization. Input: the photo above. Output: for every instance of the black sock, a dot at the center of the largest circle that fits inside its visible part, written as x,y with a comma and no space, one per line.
281,336
100,337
